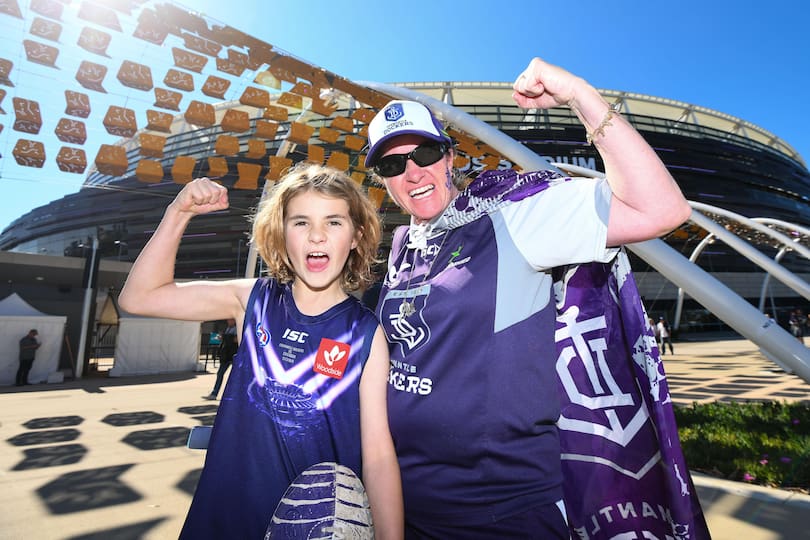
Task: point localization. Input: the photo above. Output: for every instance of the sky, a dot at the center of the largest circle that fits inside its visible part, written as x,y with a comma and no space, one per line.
750,60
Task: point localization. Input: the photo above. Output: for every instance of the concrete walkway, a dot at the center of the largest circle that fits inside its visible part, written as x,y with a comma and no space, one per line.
105,458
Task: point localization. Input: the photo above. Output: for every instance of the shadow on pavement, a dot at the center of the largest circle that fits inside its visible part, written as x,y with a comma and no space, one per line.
51,456
87,490
49,436
133,418
136,531
53,421
156,439
189,482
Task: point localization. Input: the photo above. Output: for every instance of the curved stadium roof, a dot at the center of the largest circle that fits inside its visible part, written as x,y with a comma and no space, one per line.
500,94
647,113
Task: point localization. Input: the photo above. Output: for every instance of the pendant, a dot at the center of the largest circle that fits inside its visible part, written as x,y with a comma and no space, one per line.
406,308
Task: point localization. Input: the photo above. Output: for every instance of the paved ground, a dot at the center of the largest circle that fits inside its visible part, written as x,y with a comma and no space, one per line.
106,459
708,370
705,370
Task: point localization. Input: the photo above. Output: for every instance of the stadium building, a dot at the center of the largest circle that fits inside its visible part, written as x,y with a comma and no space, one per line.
716,159
229,106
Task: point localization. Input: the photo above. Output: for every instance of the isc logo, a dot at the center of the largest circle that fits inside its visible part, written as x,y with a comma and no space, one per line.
295,335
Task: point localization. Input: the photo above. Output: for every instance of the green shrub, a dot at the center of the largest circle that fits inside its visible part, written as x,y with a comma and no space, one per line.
765,443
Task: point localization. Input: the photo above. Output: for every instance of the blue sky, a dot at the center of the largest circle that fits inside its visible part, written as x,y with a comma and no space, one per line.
749,60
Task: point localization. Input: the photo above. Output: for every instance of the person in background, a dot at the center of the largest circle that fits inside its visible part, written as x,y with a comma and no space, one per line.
664,335
28,350
797,322
468,308
308,381
227,348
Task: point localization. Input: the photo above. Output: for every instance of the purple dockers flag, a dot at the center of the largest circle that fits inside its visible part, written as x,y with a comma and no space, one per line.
625,474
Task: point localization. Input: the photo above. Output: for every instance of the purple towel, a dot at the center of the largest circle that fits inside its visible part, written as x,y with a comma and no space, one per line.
625,474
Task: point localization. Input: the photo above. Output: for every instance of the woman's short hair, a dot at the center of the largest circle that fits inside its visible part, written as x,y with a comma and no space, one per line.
268,223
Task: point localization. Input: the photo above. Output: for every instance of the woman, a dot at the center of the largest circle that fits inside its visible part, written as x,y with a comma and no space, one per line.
467,306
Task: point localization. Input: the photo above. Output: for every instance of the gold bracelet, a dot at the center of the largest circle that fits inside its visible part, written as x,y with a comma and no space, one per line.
612,111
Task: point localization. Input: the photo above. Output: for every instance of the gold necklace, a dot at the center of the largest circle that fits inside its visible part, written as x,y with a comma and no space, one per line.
407,308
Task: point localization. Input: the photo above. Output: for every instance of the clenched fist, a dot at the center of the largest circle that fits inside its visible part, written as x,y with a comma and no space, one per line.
543,85
201,196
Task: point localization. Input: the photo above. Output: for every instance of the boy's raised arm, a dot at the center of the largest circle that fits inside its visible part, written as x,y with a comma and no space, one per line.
150,288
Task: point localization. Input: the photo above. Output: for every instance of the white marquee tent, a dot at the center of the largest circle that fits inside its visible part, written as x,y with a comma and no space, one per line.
17,317
147,346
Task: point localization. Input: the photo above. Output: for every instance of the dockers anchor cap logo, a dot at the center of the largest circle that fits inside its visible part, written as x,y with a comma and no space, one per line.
394,112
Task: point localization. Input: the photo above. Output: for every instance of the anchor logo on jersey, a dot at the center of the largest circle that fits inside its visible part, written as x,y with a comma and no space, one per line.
403,319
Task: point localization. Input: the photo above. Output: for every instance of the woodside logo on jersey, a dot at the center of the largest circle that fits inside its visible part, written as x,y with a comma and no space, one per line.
331,358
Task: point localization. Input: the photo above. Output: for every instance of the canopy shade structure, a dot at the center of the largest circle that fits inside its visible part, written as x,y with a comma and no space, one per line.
17,317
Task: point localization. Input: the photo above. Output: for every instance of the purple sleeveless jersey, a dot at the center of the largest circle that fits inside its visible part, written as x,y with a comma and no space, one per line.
291,401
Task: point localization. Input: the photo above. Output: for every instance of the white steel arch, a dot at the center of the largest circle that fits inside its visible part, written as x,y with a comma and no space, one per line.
757,224
772,267
766,281
707,240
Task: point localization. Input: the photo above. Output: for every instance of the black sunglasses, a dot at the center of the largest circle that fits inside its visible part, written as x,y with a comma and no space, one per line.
423,155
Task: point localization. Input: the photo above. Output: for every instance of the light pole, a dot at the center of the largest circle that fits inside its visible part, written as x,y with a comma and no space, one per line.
89,285
121,244
238,255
